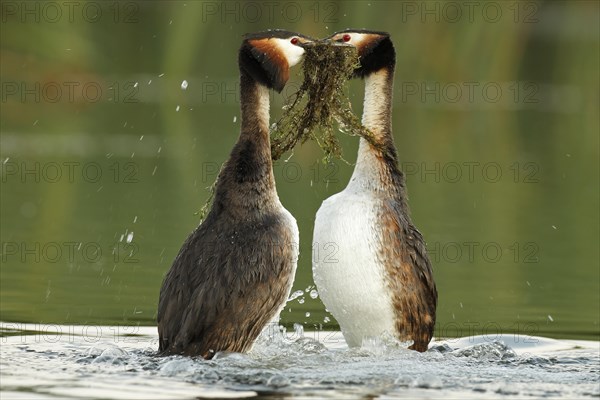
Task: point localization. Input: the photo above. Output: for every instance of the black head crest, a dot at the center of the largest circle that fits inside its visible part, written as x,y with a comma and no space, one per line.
375,49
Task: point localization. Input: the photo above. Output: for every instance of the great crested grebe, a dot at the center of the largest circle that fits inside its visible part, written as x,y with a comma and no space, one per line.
234,273
381,279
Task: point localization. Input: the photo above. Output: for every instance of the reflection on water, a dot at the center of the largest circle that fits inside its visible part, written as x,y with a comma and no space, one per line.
496,126
110,362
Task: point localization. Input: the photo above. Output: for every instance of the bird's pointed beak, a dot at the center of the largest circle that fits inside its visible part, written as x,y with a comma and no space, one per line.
307,45
332,42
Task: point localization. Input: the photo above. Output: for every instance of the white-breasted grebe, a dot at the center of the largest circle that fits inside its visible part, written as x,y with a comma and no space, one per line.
380,278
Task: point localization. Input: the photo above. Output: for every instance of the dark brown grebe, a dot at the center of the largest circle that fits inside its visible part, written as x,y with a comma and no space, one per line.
382,280
234,273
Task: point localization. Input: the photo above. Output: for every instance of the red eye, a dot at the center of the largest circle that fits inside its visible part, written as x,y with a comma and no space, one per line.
346,38
294,40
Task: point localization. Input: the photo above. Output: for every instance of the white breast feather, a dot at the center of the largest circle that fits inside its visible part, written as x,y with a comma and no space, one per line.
349,278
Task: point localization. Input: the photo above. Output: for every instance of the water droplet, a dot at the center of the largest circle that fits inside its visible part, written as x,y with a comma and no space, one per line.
184,84
129,237
326,319
295,295
307,314
550,318
314,294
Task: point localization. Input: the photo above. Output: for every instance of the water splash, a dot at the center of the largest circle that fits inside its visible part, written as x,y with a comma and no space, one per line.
495,350
295,295
299,363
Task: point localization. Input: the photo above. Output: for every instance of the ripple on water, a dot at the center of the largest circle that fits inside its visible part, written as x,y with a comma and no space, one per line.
314,364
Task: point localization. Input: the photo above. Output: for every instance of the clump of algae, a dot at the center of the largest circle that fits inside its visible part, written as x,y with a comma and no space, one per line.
320,103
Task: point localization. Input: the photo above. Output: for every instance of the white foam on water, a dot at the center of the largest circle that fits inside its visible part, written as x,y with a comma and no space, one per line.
57,361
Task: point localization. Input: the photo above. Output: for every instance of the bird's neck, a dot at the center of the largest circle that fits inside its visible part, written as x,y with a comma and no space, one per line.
246,186
377,164
377,106
255,111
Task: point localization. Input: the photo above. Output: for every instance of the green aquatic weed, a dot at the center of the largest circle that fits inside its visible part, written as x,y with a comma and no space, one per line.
320,103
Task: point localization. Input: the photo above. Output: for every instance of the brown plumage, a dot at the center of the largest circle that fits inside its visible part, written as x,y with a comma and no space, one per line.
276,58
234,273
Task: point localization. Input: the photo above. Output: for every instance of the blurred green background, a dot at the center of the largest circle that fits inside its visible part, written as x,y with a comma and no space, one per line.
107,155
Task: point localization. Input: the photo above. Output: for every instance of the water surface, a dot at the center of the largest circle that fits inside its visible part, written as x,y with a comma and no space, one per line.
109,362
